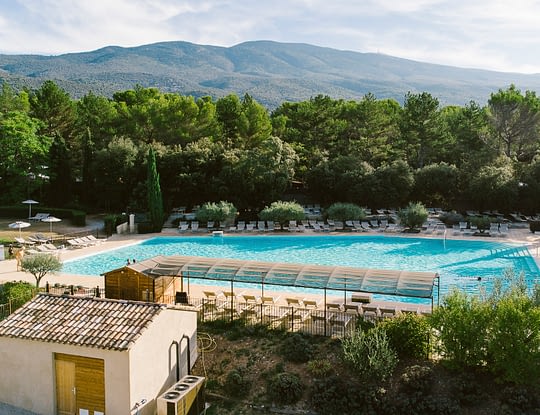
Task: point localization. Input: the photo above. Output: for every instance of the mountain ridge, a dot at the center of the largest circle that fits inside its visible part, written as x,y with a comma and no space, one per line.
271,72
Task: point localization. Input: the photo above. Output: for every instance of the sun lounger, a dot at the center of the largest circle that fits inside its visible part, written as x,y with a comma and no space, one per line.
311,304
22,241
194,226
387,311
39,217
362,298
94,239
370,312
76,243
292,226
333,307
353,309
294,302
339,323
365,226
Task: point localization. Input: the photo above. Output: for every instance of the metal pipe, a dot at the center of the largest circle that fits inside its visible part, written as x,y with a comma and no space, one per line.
185,336
177,360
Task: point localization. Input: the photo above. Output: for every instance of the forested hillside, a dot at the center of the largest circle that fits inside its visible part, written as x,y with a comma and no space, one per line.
92,152
270,72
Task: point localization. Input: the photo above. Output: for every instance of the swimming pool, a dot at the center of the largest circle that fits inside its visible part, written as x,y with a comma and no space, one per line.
459,262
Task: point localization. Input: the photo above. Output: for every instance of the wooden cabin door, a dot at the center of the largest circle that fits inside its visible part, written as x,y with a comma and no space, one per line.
66,393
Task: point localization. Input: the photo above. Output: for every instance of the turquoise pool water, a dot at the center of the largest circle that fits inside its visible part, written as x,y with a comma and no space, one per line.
458,262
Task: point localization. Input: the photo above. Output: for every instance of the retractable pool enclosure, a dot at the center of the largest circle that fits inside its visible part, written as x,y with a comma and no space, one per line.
328,278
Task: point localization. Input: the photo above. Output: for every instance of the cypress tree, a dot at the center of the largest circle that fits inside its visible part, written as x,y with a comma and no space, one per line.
155,201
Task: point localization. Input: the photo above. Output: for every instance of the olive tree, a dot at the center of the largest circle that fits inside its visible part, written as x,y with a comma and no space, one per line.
40,265
345,211
282,212
222,212
413,216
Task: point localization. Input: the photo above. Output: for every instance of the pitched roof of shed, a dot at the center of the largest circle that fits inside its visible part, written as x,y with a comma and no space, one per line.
81,321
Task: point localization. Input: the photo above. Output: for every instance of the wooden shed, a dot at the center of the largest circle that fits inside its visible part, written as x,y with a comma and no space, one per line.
133,282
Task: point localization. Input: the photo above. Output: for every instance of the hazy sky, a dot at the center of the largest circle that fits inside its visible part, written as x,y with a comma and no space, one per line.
500,35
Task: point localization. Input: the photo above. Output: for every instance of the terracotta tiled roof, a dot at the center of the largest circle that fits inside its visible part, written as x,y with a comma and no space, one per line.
81,321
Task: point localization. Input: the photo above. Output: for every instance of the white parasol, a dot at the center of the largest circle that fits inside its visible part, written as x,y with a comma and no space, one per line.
51,219
19,225
30,202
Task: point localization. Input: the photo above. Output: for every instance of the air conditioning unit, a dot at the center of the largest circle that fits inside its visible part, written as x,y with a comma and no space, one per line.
185,397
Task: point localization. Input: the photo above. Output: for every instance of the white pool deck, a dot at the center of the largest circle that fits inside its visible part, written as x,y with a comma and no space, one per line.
8,268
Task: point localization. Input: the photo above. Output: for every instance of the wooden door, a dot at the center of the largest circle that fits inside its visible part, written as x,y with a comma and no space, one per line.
66,393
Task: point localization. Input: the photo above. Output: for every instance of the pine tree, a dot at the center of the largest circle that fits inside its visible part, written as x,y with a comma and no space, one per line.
155,201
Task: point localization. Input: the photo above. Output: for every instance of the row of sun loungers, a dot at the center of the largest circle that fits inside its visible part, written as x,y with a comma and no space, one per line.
297,314
84,241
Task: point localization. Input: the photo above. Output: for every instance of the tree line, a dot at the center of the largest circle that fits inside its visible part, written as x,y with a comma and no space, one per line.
92,153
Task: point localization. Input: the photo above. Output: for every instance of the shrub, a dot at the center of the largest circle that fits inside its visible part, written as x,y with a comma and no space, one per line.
297,348
481,222
369,353
16,292
110,222
413,216
345,211
222,212
519,398
534,226
417,378
285,388
145,227
408,335
282,212
514,341
335,395
468,390
461,323
319,367
78,218
451,218
236,384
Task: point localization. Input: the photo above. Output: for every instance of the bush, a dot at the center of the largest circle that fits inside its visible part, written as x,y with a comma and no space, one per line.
145,227
417,378
462,325
369,353
534,226
297,348
451,218
408,335
16,292
319,367
282,212
413,216
78,218
236,384
335,395
481,222
110,222
345,211
285,388
222,212
514,342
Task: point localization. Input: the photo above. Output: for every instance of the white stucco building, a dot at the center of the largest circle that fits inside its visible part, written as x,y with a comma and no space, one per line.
92,356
